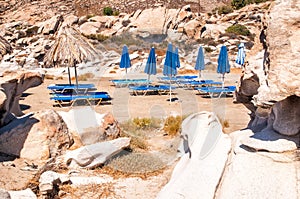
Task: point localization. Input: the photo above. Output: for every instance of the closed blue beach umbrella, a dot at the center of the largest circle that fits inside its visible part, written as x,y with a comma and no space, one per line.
150,68
223,63
170,65
170,68
200,65
241,55
176,57
125,59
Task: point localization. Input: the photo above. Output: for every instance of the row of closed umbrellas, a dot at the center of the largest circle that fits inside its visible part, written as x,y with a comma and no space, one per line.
172,61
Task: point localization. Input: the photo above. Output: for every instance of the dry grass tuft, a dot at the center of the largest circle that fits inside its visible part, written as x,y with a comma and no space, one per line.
104,190
187,71
137,163
85,77
172,125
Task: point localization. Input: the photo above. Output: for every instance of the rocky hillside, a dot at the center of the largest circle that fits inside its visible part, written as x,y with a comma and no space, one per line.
40,9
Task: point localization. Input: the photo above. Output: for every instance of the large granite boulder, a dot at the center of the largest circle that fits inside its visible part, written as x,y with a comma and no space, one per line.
204,150
37,136
12,87
5,47
89,127
270,86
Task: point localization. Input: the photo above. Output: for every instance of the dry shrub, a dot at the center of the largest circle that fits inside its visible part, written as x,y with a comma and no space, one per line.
138,129
187,71
172,125
85,77
137,163
53,77
104,190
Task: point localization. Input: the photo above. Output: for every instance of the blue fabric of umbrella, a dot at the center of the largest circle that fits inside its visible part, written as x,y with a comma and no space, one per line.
150,68
170,64
223,63
170,68
176,57
241,55
200,65
125,59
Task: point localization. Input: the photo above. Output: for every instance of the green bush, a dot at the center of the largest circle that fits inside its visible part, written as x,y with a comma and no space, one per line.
223,10
237,4
238,29
98,37
108,11
208,49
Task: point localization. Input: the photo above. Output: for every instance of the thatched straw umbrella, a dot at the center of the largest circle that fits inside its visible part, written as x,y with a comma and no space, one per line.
5,47
69,49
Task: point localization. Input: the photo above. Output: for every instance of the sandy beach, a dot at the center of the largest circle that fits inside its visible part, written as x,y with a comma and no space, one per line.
125,106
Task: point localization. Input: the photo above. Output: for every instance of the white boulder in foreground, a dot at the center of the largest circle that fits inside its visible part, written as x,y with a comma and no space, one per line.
258,174
35,136
93,155
200,169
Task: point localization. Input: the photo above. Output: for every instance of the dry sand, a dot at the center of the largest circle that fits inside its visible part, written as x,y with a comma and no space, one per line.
125,106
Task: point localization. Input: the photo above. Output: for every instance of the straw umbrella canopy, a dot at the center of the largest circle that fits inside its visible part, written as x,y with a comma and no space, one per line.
69,49
5,47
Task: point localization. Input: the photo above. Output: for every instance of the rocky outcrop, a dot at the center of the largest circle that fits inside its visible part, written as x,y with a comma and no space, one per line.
270,86
205,149
37,136
12,87
4,47
89,127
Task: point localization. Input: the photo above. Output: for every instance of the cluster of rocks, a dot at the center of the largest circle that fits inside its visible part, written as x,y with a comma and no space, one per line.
30,41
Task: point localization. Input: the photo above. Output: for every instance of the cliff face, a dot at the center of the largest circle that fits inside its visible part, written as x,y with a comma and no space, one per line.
270,87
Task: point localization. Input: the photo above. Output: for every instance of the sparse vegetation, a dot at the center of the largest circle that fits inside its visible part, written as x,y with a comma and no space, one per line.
207,41
238,29
85,77
89,16
137,130
238,4
172,125
108,11
208,49
98,37
223,10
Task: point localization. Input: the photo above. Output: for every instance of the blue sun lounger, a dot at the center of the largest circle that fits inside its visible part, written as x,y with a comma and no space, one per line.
216,91
147,89
194,83
129,82
90,98
71,88
186,77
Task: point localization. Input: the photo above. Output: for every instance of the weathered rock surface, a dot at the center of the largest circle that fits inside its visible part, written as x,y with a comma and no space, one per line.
90,127
270,84
26,194
257,174
4,194
37,136
200,169
13,85
91,156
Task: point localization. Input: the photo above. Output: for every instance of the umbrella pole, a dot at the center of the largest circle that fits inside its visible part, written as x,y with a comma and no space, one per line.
126,73
199,75
170,89
223,77
148,80
76,76
69,75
